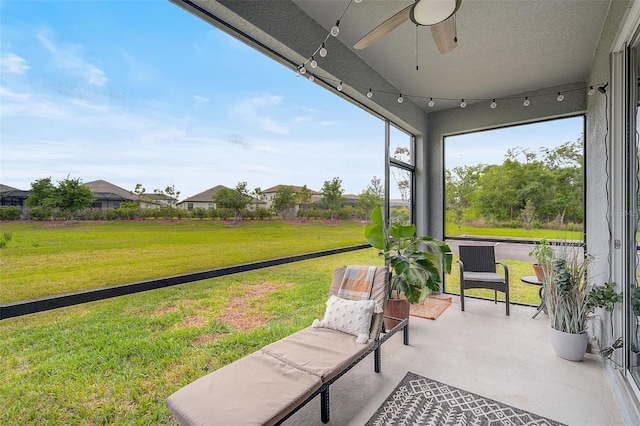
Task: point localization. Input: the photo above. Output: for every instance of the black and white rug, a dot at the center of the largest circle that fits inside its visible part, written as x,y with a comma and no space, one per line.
425,402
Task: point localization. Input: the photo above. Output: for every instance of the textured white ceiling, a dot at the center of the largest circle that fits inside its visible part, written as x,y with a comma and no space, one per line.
505,47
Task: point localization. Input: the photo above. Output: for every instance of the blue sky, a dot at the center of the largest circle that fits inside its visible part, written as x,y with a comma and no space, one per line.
144,92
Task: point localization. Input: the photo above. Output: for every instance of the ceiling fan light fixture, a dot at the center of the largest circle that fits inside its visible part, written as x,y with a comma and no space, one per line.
431,12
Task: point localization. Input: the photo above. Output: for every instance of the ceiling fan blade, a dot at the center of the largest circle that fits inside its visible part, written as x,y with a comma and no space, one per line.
384,28
445,35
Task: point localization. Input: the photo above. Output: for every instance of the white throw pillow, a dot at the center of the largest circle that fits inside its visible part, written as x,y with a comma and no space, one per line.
348,316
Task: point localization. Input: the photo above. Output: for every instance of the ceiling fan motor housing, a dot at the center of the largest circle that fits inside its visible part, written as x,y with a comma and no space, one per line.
431,12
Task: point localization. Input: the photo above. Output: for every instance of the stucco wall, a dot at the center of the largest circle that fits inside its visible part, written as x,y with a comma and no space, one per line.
598,133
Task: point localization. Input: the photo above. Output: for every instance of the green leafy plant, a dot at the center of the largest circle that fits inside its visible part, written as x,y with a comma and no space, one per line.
417,263
635,300
543,252
605,296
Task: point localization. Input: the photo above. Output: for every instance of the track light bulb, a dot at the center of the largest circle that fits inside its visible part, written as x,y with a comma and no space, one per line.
591,91
560,97
431,103
463,104
494,104
323,51
313,63
339,87
526,102
335,30
369,94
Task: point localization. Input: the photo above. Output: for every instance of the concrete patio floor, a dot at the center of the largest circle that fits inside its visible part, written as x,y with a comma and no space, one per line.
508,359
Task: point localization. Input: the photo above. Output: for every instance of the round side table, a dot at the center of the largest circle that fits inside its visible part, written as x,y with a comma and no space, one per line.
532,279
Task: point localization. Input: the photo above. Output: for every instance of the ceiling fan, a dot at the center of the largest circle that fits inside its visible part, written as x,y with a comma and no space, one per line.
438,14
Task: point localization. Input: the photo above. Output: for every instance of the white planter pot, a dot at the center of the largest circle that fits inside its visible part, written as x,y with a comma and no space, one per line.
569,346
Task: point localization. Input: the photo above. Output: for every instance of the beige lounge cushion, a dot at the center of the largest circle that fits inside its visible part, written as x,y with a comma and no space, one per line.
319,351
255,390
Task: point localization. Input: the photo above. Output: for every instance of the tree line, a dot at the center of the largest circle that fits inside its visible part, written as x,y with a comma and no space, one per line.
69,199
529,189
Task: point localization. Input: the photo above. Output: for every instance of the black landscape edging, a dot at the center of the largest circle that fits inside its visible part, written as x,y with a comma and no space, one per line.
32,306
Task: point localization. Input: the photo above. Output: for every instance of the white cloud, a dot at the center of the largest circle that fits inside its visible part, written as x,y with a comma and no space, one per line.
68,57
251,111
13,64
201,100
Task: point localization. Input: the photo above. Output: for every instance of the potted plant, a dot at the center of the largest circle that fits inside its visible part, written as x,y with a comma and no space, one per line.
570,299
416,263
542,252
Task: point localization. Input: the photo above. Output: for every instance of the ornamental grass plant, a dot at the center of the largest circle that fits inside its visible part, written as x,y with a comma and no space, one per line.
567,289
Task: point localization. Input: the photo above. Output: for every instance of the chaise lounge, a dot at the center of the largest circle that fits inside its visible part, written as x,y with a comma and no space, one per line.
269,385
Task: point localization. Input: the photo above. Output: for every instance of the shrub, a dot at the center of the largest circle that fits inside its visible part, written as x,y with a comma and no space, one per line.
40,213
9,213
263,213
110,214
199,213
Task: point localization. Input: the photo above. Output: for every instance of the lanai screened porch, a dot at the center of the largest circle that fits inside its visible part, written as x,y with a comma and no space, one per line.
514,62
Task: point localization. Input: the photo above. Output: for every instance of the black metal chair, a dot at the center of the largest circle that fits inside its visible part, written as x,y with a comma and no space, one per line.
478,270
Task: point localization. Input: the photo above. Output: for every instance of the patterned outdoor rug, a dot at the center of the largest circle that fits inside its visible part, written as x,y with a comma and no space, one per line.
432,308
421,401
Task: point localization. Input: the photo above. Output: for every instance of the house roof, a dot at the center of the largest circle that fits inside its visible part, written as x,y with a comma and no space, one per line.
104,190
294,187
4,188
156,197
205,196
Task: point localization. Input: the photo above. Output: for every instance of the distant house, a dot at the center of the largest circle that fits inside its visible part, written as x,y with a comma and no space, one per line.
350,200
269,194
156,200
203,200
109,196
12,197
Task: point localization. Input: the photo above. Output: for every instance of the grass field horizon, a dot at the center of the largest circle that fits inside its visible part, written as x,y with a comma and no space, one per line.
49,258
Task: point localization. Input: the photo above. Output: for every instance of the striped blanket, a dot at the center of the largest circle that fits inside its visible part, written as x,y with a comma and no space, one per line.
357,282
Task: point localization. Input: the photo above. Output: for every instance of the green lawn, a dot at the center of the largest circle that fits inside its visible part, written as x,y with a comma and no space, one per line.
47,258
115,361
452,230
